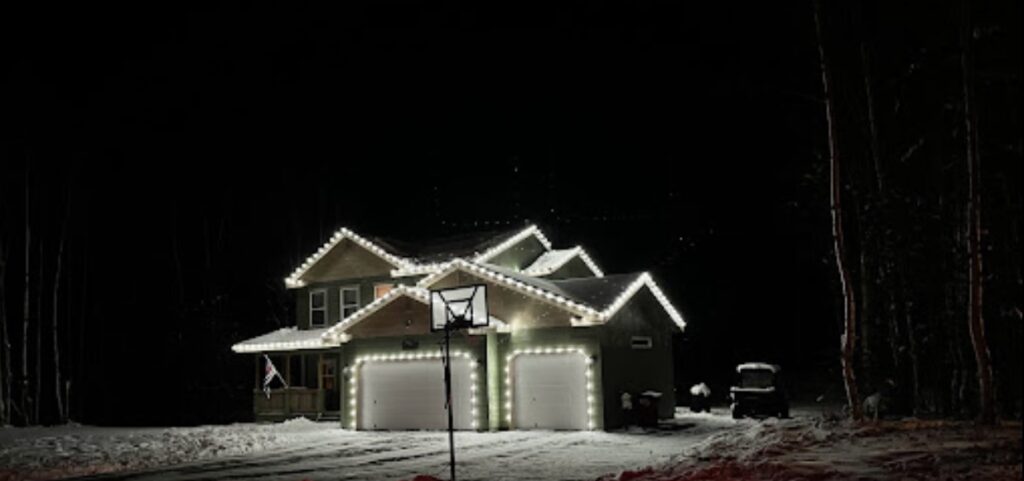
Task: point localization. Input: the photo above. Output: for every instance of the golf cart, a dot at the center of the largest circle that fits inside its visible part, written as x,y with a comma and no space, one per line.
759,391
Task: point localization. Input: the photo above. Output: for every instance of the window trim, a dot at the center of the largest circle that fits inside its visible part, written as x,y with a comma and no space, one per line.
341,300
312,292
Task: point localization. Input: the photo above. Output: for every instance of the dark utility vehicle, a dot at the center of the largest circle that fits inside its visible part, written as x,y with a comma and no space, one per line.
759,391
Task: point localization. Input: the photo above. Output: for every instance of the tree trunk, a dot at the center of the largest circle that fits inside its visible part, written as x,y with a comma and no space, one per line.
26,307
5,343
38,384
975,321
848,339
53,327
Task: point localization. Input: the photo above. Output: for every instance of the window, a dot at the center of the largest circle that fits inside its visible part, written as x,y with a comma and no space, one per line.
381,290
641,342
318,307
349,301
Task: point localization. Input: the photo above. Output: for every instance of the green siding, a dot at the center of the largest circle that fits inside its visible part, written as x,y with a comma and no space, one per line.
334,296
637,370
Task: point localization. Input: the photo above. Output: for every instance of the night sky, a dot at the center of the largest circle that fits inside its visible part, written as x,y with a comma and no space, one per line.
231,139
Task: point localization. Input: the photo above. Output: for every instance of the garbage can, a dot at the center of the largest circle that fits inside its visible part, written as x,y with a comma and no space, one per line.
647,409
700,398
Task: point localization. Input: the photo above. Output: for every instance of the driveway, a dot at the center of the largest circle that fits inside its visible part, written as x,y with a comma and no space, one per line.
325,452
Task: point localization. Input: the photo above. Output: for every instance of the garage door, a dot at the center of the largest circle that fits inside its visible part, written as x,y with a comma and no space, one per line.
410,395
549,391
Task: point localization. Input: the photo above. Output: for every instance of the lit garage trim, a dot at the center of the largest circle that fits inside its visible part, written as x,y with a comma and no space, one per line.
398,357
591,411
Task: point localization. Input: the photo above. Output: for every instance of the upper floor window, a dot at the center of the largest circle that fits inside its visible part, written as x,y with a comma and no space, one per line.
318,307
381,290
349,301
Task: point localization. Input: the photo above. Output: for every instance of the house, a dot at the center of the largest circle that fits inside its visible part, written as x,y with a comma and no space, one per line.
565,340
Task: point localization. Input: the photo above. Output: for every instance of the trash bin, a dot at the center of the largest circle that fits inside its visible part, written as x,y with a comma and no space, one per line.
700,398
647,409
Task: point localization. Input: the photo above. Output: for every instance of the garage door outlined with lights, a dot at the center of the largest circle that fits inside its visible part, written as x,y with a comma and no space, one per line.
407,392
549,388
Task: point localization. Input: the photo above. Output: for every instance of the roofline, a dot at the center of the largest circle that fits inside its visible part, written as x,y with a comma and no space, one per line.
479,270
336,333
531,230
294,280
315,343
578,252
645,280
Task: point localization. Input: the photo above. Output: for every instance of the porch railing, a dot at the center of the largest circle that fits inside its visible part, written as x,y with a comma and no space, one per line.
289,401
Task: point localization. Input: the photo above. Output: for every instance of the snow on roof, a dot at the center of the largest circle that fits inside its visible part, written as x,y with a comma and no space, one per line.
594,299
285,339
336,333
553,260
750,366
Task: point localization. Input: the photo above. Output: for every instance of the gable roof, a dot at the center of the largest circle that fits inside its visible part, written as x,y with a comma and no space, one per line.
426,257
595,300
336,333
553,260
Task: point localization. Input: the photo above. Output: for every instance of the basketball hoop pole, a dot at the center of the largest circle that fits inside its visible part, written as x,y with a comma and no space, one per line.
471,311
448,392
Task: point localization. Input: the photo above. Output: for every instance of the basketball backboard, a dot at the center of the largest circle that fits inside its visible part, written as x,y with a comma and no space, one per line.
458,307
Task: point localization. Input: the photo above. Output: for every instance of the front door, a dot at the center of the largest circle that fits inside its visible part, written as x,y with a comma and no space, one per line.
329,382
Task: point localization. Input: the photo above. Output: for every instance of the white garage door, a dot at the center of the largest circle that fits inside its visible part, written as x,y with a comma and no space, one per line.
549,391
410,394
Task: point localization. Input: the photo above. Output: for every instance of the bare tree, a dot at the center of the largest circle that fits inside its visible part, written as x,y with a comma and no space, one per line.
975,321
848,339
56,297
5,343
26,312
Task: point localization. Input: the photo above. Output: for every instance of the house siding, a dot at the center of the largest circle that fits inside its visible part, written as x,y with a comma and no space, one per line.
637,370
366,293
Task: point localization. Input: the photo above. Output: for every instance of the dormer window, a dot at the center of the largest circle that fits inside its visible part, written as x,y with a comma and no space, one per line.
349,301
318,307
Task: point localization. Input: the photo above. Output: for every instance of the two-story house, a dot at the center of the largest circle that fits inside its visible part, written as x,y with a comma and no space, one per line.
565,340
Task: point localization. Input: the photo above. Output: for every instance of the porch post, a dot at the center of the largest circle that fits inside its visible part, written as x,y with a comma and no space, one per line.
288,376
493,381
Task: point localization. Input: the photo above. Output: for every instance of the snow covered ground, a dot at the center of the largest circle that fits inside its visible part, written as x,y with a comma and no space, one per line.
300,450
697,447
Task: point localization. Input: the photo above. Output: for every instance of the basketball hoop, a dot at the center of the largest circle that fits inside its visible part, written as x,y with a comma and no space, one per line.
452,309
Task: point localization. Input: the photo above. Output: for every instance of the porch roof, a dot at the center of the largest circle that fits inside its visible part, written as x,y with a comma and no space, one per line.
286,339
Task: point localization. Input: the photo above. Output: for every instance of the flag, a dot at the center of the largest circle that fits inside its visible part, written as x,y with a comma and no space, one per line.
269,373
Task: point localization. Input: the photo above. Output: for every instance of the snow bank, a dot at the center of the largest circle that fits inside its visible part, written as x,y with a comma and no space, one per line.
72,450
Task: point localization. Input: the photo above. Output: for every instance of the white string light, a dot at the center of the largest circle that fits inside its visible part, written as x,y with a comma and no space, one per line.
316,342
591,409
511,241
569,254
643,280
294,280
336,332
405,356
514,284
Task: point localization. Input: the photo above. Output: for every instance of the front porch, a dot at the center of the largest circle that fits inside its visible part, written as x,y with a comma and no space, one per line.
310,389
